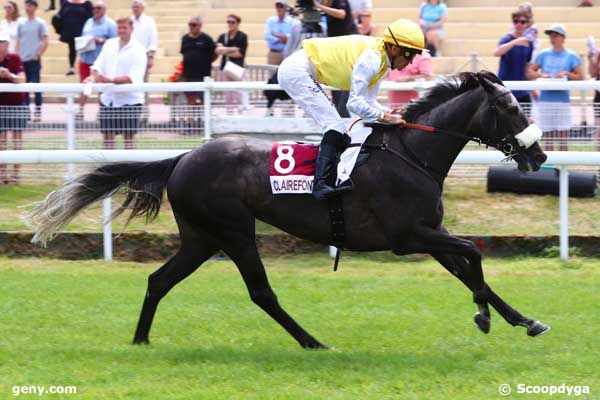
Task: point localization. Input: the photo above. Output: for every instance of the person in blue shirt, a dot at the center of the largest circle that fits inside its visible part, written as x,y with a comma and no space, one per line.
432,16
277,33
556,63
515,50
101,28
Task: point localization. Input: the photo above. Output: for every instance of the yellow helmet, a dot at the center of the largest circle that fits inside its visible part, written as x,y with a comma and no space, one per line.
405,33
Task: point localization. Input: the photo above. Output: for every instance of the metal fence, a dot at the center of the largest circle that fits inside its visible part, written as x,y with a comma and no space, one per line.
168,121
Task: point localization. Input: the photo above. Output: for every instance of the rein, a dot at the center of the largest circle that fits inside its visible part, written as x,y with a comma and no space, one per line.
431,129
427,128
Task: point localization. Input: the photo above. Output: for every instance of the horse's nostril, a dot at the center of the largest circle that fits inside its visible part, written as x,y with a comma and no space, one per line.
540,158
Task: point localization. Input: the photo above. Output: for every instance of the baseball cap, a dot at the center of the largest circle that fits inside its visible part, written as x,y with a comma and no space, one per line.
4,36
556,28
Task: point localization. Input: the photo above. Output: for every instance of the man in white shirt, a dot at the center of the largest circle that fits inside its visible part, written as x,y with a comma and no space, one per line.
145,32
121,61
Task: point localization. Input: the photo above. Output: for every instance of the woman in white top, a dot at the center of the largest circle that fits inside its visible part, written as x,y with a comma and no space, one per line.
10,22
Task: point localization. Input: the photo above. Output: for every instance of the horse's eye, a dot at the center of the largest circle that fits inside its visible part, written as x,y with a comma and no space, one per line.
514,110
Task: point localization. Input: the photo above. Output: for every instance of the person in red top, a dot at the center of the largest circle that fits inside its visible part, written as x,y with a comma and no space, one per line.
13,114
419,68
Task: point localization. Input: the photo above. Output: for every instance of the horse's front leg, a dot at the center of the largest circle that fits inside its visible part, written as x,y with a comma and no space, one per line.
432,241
462,256
459,267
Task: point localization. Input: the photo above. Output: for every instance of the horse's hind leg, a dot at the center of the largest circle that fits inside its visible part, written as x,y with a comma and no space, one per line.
195,249
253,272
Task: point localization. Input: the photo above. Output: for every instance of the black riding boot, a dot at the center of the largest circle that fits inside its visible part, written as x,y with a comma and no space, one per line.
332,145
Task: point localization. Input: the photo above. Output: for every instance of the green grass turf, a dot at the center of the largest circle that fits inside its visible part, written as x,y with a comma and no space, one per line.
469,209
402,329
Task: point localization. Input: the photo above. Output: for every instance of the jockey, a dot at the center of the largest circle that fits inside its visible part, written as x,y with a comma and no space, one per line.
356,63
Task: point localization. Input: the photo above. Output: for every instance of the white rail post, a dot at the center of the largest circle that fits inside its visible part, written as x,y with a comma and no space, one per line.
107,229
564,211
207,108
70,109
474,62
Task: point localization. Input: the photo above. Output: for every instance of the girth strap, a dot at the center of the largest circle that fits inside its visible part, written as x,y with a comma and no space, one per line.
338,226
385,147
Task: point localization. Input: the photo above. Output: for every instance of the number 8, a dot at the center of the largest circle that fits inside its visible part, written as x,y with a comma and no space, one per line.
285,153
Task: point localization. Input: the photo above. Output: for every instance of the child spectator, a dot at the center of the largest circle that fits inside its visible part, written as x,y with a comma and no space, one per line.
558,63
515,51
432,16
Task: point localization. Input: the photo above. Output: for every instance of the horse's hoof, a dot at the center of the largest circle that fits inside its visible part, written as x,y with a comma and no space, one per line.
314,346
482,322
141,341
537,328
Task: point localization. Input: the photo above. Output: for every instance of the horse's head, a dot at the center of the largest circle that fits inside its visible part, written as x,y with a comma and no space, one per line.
503,124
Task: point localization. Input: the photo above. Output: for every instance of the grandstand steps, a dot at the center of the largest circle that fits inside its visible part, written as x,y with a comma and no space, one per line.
237,4
385,15
472,27
514,3
178,15
164,66
454,31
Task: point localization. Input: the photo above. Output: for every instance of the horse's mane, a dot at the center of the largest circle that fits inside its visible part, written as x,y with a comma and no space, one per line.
446,90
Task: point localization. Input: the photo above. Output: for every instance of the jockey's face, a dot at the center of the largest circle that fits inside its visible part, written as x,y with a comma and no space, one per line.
400,57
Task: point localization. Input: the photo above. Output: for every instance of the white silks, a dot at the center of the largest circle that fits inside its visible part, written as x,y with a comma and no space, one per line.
529,136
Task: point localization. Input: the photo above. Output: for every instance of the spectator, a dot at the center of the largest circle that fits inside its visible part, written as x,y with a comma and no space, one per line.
122,60
277,32
557,63
515,51
358,7
304,30
145,32
52,5
594,70
231,46
73,14
419,69
362,13
365,24
432,16
339,23
585,3
13,114
198,50
10,23
32,42
101,28
531,30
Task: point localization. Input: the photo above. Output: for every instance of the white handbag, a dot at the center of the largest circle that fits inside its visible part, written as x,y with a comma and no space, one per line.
233,71
85,43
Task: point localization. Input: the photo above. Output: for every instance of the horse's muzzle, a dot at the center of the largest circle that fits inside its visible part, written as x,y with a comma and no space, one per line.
531,159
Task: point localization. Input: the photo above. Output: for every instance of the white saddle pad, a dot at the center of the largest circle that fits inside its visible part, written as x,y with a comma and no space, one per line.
359,134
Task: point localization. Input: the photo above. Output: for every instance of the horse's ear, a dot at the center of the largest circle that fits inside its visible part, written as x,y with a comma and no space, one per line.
485,83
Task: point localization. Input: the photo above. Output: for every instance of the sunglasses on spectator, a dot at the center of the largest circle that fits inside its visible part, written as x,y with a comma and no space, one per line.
98,8
192,24
231,21
520,21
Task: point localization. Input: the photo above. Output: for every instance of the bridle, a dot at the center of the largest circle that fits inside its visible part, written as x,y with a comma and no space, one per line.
508,145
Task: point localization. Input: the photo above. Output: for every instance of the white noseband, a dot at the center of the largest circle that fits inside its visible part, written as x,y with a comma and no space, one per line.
529,136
